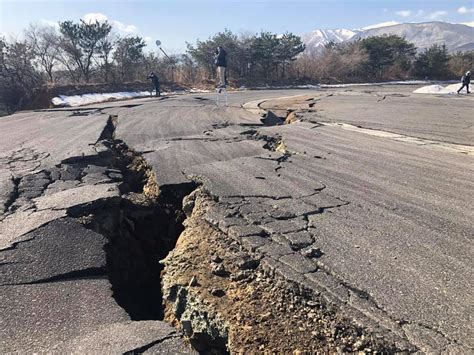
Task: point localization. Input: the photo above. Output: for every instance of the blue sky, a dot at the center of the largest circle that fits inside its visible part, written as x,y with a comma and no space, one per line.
178,21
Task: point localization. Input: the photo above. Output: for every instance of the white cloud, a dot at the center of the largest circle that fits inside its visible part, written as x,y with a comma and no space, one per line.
117,25
437,14
93,17
125,28
404,13
464,10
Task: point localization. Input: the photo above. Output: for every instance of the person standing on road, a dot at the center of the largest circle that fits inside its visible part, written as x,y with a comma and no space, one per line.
466,79
221,63
156,83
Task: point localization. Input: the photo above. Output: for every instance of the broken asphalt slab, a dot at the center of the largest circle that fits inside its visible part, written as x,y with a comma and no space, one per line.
60,250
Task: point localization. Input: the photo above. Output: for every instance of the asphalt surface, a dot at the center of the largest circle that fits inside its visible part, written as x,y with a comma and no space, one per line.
391,218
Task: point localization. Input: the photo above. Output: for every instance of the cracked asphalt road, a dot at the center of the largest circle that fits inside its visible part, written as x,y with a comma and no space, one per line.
391,219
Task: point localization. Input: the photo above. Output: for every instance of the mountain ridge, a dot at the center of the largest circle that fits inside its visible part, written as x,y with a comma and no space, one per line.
422,35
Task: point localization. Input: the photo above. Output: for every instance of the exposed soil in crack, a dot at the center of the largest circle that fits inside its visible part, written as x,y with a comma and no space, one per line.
229,298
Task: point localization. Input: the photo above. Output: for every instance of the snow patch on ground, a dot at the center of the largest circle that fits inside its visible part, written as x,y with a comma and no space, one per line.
86,99
438,89
194,90
79,100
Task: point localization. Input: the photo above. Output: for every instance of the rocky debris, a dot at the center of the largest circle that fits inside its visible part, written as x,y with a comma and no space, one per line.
193,282
188,203
217,292
241,275
248,263
312,253
217,259
219,270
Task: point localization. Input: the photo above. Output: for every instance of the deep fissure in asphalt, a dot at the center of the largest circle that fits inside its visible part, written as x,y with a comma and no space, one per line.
142,225
144,232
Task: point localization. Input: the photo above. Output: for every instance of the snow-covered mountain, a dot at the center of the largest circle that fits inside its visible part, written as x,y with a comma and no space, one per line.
319,38
423,35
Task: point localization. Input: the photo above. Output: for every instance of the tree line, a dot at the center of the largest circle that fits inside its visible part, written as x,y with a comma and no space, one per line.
81,53
383,58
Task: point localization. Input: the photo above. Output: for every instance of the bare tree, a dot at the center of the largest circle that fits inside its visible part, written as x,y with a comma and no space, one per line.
44,41
18,76
460,62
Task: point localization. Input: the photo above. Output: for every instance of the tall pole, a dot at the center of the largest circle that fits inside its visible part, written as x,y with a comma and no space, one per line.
158,44
161,49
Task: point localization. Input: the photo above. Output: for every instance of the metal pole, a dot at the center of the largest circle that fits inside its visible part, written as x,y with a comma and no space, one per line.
172,64
164,53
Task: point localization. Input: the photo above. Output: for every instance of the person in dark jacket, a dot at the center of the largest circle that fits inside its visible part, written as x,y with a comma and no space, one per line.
466,79
221,63
156,83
